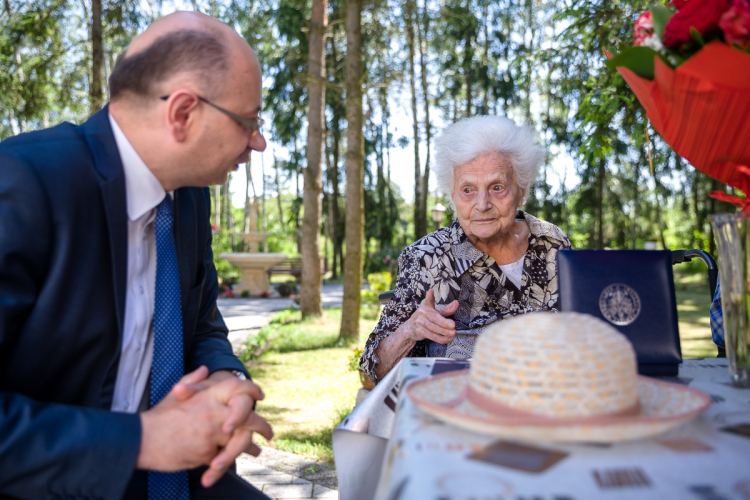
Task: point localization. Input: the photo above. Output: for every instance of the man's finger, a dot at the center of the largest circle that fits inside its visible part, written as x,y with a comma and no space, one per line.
184,389
253,450
256,423
429,299
240,407
228,388
449,309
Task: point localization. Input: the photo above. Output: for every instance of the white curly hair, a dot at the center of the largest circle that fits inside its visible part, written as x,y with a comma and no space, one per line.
467,139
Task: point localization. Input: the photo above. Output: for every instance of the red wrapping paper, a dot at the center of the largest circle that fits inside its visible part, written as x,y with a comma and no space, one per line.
702,110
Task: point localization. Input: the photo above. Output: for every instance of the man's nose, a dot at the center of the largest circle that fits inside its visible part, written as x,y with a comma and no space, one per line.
257,142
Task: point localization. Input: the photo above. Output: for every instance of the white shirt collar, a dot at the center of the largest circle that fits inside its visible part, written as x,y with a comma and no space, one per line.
143,191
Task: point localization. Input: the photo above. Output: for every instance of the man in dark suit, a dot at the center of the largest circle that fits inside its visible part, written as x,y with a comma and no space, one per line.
114,358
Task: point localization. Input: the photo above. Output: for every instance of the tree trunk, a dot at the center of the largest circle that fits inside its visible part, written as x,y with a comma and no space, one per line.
467,71
264,217
248,179
229,218
278,192
217,206
600,204
425,190
486,101
95,91
333,178
419,229
310,287
354,175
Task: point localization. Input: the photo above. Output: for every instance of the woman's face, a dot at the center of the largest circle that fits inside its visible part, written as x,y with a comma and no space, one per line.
486,197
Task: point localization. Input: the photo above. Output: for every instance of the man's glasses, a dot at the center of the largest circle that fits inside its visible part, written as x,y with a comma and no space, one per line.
253,123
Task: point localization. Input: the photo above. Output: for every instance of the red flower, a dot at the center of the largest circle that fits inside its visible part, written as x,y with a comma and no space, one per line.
643,28
703,15
735,23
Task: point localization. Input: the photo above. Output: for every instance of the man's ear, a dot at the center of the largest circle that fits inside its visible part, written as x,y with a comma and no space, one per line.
181,106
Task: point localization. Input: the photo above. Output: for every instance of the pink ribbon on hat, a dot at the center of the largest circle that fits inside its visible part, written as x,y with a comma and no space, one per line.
524,417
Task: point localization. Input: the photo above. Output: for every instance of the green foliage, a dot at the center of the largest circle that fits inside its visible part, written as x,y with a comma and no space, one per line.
385,259
379,283
354,359
639,60
255,346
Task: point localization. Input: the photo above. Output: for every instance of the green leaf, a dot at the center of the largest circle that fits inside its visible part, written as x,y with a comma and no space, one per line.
639,60
697,36
660,16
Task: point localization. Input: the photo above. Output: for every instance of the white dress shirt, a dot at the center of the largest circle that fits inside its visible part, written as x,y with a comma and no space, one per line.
143,193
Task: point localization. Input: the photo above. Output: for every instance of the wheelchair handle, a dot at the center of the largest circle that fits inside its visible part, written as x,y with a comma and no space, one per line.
680,256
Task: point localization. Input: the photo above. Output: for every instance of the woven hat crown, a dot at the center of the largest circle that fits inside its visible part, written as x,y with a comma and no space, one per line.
564,365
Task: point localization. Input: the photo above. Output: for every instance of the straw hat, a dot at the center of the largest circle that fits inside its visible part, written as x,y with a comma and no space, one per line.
556,377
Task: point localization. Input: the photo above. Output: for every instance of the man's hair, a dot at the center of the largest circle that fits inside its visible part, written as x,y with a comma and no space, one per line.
198,52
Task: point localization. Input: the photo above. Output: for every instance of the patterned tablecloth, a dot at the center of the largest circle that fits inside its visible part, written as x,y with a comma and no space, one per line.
388,449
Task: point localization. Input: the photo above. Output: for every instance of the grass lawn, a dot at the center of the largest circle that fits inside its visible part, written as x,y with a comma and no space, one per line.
693,301
309,388
306,378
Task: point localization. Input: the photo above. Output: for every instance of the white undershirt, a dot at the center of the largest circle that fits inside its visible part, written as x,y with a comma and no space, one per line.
143,192
514,271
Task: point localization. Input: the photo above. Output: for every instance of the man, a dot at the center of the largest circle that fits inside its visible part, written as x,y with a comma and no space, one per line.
108,288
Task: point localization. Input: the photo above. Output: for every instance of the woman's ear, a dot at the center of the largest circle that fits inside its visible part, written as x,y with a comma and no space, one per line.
521,198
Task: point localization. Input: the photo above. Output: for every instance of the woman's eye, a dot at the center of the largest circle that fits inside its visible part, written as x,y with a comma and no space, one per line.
497,189
467,191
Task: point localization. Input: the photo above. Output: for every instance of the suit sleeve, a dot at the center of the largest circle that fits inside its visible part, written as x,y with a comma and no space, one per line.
210,345
48,450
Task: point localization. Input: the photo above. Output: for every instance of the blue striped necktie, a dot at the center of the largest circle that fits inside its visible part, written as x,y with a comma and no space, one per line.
167,367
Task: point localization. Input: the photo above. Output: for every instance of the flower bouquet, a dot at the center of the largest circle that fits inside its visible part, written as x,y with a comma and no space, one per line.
690,69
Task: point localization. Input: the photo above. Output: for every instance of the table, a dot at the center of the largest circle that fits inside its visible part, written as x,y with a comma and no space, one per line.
388,449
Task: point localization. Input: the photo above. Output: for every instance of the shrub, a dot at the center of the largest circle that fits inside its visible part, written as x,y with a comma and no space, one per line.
245,294
255,346
286,289
354,359
379,283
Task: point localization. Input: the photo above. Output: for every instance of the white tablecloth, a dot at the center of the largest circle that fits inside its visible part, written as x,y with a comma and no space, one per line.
387,449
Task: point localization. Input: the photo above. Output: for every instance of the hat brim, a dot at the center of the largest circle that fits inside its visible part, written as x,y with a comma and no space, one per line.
663,406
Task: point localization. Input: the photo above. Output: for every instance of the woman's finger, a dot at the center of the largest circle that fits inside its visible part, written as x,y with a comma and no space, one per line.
438,329
447,310
441,321
429,300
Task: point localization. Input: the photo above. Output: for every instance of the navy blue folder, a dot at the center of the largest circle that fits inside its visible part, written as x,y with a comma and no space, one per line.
634,291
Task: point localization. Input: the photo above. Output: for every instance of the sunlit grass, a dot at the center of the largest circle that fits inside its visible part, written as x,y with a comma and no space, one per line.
693,301
309,388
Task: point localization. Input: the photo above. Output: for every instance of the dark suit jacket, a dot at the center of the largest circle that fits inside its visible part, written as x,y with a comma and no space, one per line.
63,263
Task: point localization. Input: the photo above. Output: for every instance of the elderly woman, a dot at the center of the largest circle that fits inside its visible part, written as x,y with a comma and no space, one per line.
494,261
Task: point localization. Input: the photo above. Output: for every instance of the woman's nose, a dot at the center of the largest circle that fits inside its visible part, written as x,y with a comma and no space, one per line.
483,200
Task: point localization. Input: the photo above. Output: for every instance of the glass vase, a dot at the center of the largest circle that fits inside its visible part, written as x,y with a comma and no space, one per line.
732,232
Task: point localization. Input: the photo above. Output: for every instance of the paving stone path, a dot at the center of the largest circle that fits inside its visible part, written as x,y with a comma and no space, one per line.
284,475
279,474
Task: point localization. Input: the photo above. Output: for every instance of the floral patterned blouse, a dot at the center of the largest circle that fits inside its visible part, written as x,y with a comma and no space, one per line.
446,262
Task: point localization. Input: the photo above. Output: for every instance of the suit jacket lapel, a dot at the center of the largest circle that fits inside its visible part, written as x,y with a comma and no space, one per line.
184,237
101,141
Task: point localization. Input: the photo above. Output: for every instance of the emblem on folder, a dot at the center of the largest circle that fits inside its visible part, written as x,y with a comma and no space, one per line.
619,304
